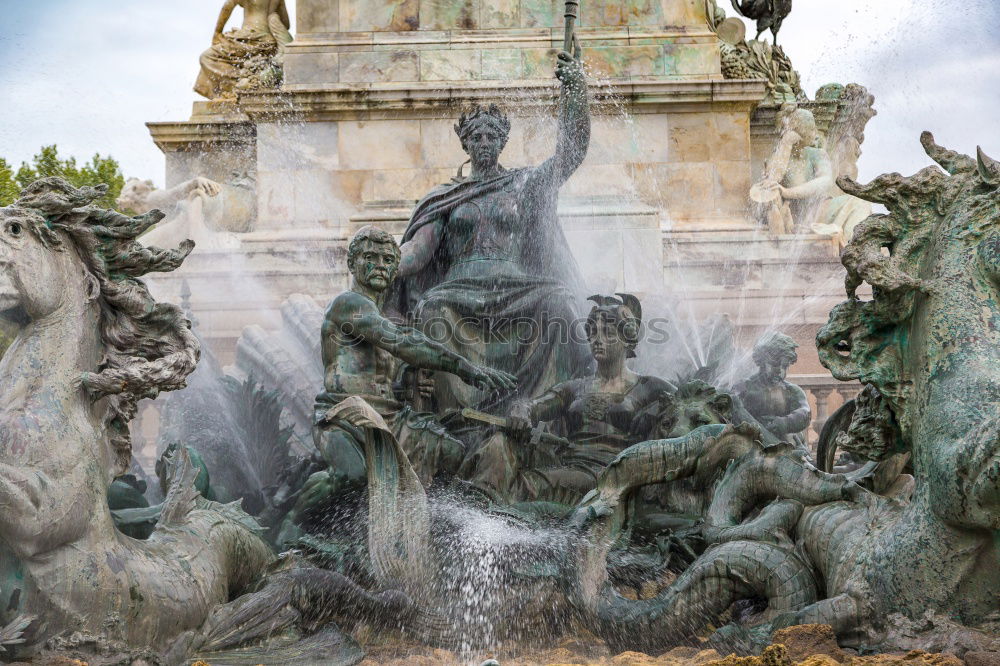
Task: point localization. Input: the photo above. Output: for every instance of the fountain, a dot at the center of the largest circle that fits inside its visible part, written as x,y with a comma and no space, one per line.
460,451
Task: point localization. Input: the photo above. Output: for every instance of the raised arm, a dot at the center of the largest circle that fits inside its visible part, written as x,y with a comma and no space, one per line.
573,137
418,251
359,318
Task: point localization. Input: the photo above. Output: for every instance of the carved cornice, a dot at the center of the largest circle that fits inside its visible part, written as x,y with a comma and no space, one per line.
763,120
327,42
233,125
215,124
525,97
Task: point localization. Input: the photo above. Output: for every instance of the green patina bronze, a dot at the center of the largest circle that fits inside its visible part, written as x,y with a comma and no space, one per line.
602,414
363,351
485,264
777,404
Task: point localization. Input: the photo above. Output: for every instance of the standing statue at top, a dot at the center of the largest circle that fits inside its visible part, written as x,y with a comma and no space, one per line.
246,58
485,266
769,14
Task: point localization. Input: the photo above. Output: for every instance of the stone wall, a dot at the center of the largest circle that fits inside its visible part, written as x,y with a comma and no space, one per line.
378,41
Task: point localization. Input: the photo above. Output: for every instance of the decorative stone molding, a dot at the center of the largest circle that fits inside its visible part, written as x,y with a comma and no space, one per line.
414,100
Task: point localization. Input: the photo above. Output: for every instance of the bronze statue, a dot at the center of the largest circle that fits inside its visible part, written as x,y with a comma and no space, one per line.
362,350
769,14
779,405
485,263
602,414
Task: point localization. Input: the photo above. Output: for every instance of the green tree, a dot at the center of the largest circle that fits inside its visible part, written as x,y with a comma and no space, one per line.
100,169
8,185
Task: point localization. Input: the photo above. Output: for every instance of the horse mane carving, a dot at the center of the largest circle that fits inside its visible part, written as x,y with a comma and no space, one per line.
149,346
864,339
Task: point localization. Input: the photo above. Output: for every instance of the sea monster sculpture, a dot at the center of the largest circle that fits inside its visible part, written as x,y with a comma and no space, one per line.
886,573
889,573
91,342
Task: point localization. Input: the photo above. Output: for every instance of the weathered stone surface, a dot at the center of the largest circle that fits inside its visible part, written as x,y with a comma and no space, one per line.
981,658
287,146
395,15
311,68
408,184
450,14
773,655
364,67
500,14
806,640
441,148
502,64
688,137
389,144
458,65
313,16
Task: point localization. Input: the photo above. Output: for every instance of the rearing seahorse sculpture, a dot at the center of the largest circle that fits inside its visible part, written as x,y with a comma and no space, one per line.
91,343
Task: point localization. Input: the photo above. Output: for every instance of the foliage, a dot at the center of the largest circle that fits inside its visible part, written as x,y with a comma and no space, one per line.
100,169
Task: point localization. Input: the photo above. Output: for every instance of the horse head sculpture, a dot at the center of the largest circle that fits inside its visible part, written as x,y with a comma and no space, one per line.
929,342
91,343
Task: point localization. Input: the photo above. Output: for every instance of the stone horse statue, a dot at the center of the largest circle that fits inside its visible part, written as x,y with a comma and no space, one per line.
91,342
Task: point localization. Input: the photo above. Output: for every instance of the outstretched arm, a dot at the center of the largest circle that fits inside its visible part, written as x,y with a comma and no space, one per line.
361,319
573,138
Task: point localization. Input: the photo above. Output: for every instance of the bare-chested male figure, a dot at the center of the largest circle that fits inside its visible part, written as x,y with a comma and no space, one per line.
362,355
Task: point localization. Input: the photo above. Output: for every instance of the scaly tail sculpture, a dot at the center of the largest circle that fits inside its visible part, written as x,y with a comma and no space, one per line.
91,343
752,560
929,346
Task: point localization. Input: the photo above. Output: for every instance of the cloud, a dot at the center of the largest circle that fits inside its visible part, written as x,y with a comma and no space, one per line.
88,74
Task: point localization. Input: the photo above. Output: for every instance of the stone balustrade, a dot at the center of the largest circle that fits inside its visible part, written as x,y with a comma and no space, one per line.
826,395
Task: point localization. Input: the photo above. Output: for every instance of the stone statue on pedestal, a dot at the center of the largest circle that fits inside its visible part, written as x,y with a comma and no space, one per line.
485,262
843,144
246,58
198,209
797,178
779,405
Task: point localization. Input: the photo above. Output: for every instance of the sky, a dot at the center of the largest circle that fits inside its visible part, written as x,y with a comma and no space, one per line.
88,74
